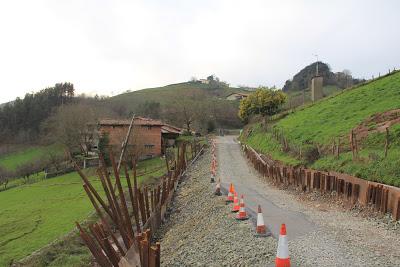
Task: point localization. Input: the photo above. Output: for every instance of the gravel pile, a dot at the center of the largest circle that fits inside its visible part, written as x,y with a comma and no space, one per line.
201,230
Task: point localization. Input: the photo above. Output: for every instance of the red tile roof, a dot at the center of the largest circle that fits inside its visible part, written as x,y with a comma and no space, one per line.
137,121
166,128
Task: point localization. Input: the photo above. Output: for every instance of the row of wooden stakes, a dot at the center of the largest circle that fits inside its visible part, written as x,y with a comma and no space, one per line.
309,180
114,241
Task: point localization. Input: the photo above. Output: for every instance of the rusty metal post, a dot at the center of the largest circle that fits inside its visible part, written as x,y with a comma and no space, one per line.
132,198
94,249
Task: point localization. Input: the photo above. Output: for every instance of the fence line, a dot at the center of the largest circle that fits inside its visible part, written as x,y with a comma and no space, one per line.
383,198
147,207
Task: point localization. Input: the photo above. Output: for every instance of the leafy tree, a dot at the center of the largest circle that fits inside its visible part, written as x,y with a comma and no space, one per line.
263,101
103,148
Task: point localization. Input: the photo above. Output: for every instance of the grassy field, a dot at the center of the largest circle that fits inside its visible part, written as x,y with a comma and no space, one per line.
335,117
34,215
11,161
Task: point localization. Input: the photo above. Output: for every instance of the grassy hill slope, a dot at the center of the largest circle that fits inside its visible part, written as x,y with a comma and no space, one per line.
337,115
206,102
168,94
317,125
34,215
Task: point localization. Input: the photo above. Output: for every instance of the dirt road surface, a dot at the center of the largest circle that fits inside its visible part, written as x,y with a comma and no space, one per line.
318,235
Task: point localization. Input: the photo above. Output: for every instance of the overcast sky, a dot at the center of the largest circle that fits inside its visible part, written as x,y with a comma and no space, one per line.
108,47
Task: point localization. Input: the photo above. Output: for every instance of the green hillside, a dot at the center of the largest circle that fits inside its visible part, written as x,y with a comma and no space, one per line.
168,94
207,104
337,115
316,126
32,216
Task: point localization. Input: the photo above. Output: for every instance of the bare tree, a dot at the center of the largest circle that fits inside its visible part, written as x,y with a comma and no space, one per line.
5,176
69,126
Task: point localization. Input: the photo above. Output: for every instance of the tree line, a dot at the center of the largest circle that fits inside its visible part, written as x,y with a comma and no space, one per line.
302,79
21,119
52,161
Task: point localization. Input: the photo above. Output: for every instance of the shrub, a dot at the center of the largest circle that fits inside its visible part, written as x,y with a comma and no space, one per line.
310,153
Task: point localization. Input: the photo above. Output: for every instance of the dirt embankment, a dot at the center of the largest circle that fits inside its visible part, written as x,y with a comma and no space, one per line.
377,123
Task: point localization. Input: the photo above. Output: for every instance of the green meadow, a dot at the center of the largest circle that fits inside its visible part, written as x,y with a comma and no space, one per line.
32,216
12,160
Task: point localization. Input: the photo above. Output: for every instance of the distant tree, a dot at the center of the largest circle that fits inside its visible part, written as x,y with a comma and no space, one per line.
69,126
302,79
5,176
55,160
25,170
263,101
103,148
150,109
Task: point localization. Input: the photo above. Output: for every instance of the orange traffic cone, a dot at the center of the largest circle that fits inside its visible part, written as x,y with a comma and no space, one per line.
261,229
213,172
236,206
218,188
230,194
282,255
242,215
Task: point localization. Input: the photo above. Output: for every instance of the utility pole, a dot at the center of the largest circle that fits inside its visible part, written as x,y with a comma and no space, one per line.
316,73
125,143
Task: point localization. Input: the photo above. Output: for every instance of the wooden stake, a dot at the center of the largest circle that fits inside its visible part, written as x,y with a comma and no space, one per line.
387,142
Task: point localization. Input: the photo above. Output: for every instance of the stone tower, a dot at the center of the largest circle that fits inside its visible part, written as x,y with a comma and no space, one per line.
316,88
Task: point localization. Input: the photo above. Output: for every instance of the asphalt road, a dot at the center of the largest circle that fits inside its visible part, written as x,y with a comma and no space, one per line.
233,168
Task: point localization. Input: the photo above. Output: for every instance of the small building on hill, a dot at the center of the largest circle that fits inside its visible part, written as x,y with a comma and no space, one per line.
204,81
236,96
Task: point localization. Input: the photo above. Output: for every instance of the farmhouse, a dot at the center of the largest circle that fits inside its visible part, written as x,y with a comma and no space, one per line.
145,137
236,96
149,137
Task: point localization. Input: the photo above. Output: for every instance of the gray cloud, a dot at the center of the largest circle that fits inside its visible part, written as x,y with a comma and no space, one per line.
112,46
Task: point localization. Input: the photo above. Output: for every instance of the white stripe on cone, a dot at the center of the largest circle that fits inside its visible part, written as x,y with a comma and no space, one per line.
283,250
241,210
260,219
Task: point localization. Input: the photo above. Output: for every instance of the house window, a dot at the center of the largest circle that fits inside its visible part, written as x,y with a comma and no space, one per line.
148,146
148,127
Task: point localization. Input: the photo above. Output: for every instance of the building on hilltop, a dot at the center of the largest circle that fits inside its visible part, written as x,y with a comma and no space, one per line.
236,96
205,81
